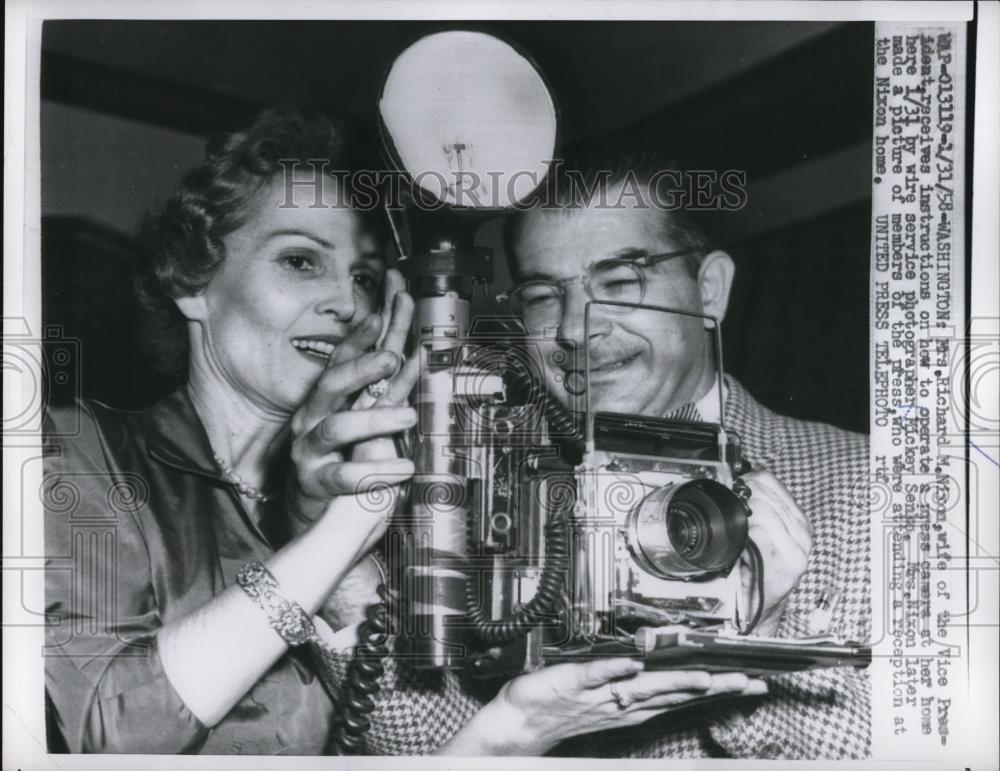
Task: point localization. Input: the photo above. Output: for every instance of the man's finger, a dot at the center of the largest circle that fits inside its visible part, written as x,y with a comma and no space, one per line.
796,522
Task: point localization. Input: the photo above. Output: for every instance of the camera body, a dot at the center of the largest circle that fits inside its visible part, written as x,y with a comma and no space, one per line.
660,522
646,529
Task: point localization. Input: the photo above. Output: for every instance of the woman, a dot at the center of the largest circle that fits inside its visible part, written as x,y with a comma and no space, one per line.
182,602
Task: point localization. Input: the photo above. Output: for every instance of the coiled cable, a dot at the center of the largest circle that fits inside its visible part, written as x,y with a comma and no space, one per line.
543,604
360,686
564,425
356,699
564,429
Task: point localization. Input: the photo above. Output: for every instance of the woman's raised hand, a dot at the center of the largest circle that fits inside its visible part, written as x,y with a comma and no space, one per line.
397,314
341,451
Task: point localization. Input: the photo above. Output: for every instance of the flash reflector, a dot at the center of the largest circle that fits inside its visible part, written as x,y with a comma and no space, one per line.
470,119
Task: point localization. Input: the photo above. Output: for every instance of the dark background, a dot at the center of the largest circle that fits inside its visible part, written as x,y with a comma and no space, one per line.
127,106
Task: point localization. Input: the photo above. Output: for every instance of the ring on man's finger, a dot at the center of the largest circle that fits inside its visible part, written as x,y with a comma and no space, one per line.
378,388
623,700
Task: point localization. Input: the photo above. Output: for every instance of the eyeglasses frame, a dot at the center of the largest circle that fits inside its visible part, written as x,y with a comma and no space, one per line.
642,261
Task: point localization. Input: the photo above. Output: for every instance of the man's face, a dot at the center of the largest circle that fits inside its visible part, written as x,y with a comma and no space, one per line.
641,361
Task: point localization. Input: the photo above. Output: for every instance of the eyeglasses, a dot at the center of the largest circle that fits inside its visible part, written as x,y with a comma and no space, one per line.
621,279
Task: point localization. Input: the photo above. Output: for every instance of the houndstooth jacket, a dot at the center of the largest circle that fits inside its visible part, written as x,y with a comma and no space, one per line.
819,714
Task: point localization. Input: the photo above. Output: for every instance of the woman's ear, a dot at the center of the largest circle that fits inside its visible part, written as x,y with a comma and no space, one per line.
715,280
193,306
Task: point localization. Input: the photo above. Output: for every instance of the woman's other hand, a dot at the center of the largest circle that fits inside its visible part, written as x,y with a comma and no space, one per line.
534,712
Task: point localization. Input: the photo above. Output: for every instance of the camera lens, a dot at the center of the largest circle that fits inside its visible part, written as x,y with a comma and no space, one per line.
689,529
686,529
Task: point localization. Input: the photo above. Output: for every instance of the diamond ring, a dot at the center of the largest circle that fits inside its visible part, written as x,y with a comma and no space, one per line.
378,388
623,700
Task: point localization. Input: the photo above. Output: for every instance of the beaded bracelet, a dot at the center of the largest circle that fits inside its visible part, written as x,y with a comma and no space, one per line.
287,618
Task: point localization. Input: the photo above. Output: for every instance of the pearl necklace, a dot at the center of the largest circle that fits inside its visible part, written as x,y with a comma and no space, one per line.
246,489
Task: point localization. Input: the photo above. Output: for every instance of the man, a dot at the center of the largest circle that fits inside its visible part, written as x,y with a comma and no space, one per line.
608,227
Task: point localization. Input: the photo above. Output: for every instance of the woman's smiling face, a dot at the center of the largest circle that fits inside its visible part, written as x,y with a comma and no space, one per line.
293,283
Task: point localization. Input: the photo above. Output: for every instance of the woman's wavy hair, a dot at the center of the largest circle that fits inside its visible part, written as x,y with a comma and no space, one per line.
180,245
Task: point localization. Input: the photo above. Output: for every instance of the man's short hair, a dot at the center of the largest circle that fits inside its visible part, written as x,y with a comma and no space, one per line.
586,174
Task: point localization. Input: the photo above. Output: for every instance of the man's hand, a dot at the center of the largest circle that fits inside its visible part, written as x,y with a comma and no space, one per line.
784,537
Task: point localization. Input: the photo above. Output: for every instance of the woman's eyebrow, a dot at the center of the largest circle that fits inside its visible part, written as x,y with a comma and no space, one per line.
304,233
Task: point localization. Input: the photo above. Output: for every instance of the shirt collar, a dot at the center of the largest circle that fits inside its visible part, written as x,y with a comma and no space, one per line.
175,435
708,405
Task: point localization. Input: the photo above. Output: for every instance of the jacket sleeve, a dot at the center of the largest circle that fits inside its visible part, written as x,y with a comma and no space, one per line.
824,713
808,715
102,668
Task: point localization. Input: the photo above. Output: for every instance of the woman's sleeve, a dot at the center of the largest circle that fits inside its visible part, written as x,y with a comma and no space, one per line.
102,667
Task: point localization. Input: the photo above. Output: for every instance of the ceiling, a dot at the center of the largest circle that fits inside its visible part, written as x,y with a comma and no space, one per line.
126,104
605,75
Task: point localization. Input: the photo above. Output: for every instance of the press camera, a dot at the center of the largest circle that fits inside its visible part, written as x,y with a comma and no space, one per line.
568,537
533,534
662,519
